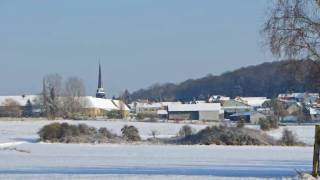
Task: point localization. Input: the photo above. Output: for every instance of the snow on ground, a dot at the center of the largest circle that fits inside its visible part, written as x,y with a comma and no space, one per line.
118,177
111,161
154,161
304,133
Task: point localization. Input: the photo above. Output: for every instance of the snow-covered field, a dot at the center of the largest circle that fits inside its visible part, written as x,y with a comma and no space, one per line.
27,130
304,133
23,158
141,160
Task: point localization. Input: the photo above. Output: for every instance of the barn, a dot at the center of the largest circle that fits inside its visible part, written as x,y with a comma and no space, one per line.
201,111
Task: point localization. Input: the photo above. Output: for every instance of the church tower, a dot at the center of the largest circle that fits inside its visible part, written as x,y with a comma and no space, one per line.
100,91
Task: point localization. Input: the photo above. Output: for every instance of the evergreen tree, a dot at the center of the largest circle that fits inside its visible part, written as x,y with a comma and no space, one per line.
28,109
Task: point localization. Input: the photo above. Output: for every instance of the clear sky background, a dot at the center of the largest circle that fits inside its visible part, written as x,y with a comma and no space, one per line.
139,42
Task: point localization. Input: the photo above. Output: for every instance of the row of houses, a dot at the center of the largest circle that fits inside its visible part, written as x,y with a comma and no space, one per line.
216,109
250,109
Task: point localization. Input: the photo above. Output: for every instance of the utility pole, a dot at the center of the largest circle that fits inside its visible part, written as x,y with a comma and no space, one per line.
315,170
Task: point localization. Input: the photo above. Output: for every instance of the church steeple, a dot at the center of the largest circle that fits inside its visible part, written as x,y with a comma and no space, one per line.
100,91
100,79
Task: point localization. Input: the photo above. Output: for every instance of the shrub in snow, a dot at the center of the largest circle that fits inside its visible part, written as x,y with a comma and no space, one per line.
289,138
268,123
106,133
223,135
130,133
50,132
241,123
186,130
66,133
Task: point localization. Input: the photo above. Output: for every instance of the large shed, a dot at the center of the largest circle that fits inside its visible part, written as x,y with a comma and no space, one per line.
201,111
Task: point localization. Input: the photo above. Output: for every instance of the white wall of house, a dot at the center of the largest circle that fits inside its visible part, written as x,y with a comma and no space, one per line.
209,115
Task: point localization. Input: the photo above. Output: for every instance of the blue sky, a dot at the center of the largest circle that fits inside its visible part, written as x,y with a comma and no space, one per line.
138,42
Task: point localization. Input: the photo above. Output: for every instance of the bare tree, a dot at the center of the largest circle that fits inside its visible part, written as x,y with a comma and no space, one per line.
122,109
278,108
12,108
74,92
293,29
51,95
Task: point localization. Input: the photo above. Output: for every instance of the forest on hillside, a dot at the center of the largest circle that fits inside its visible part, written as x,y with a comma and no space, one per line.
266,79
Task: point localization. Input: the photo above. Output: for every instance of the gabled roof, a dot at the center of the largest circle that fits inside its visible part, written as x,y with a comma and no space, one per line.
154,104
253,101
105,104
232,104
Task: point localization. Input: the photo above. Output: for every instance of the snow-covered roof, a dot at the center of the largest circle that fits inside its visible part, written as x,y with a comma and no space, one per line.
22,100
314,111
218,98
162,112
253,101
233,104
121,104
294,95
154,104
195,107
169,103
148,105
105,104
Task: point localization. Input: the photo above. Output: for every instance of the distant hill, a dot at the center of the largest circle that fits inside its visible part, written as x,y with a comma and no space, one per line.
267,79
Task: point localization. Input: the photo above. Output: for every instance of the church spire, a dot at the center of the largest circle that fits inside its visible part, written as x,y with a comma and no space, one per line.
100,79
100,91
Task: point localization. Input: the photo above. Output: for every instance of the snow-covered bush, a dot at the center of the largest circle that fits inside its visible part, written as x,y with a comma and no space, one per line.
106,133
186,130
130,133
223,135
66,133
268,123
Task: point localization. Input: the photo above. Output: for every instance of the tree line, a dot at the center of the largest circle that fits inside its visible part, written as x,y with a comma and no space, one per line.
267,79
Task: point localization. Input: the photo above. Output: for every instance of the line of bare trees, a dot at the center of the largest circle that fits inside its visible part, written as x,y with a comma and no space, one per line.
62,99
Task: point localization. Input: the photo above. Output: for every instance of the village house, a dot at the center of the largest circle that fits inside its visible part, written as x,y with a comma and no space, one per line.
100,105
95,107
232,106
307,98
201,111
155,109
